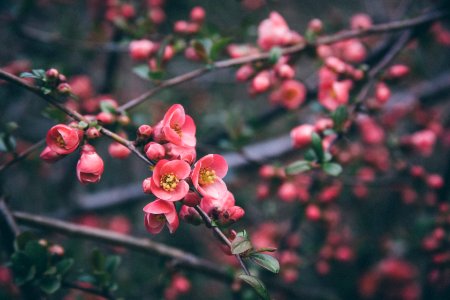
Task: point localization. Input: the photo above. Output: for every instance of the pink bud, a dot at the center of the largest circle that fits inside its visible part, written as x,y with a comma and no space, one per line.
335,64
287,192
157,15
285,71
141,49
267,171
154,151
144,132
128,11
261,82
119,151
63,139
181,27
435,181
262,191
315,25
354,51
106,118
56,250
397,71
382,92
90,165
146,185
191,54
301,135
244,72
361,21
64,88
313,212
52,73
92,133
198,14
191,199
169,52
50,156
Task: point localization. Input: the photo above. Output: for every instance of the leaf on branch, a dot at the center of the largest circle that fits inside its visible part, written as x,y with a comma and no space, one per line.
142,71
316,142
64,265
112,263
298,167
50,284
266,261
332,169
240,245
257,285
339,117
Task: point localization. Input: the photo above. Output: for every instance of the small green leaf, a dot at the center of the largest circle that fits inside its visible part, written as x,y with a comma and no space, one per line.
218,45
83,125
339,117
142,71
107,107
27,75
22,267
50,284
332,169
310,155
298,167
257,284
98,260
243,233
112,263
265,249
274,55
316,142
156,75
38,254
64,265
240,245
266,261
22,240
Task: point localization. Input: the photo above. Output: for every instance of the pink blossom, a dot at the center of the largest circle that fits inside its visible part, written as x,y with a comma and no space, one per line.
142,49
331,96
397,71
50,156
63,139
301,135
290,95
168,180
197,14
188,154
119,151
159,213
176,127
154,151
90,165
223,210
382,92
424,141
361,21
244,72
261,82
274,31
207,176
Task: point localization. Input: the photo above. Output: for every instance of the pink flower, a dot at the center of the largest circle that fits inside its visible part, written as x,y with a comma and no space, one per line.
119,151
333,94
291,94
90,165
261,82
274,31
361,21
423,141
198,14
207,176
168,180
222,210
63,139
159,213
301,135
188,154
176,127
382,92
50,156
141,49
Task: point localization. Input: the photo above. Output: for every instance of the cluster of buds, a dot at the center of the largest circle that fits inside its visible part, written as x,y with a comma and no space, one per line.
197,17
179,285
170,145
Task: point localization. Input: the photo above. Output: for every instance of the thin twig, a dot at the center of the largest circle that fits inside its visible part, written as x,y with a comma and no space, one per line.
22,155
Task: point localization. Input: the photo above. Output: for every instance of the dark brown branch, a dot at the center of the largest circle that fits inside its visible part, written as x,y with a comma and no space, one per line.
144,245
22,155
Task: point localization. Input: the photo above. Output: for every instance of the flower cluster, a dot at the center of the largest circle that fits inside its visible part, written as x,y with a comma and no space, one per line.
170,145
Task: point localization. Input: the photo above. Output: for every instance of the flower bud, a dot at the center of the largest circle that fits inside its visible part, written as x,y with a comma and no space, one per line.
155,151
50,156
119,151
64,88
261,82
313,212
144,132
198,14
301,135
52,73
146,185
106,118
92,133
141,49
191,199
90,165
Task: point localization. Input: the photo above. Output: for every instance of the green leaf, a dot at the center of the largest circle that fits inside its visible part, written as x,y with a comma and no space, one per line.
7,142
50,284
142,71
310,155
27,75
22,240
218,46
38,254
156,75
316,142
298,167
240,245
107,107
266,261
23,268
98,260
339,117
332,169
257,284
83,125
112,263
274,55
64,265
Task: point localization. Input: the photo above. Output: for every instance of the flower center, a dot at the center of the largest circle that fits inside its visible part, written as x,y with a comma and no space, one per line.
160,218
60,141
169,182
177,129
207,176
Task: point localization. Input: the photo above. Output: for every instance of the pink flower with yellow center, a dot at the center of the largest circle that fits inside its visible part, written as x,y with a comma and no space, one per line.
168,182
176,128
207,176
159,213
63,139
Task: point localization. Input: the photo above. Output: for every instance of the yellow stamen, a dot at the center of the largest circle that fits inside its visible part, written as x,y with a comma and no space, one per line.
207,176
169,182
60,141
177,129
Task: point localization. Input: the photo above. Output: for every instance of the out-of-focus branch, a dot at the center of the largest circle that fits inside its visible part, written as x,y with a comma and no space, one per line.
144,245
330,39
22,155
